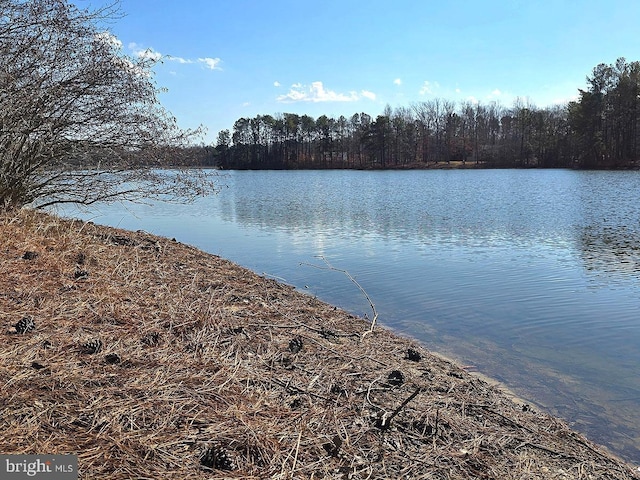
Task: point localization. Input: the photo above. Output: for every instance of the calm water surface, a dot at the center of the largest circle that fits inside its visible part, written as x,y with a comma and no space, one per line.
532,277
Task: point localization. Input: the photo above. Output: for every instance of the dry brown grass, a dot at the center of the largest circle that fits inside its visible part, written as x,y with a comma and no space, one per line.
203,361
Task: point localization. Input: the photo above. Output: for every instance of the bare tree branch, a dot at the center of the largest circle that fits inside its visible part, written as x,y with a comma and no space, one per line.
72,101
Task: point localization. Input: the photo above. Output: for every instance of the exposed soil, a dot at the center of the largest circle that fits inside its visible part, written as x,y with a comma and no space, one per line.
148,358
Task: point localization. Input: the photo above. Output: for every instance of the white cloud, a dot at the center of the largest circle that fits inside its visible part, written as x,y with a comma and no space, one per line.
317,93
368,94
150,53
277,84
211,63
497,95
397,81
473,99
429,88
145,53
295,95
179,59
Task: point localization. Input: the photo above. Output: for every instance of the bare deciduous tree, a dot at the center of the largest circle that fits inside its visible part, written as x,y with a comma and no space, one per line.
80,121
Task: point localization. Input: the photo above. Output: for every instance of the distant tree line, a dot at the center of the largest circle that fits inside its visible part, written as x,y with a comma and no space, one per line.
599,130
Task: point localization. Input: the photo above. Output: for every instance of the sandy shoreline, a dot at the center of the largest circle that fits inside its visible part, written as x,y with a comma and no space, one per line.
204,369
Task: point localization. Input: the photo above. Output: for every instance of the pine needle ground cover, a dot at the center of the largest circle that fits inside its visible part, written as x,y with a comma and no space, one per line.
148,358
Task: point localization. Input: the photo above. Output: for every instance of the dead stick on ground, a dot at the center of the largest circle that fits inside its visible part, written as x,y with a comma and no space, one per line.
354,281
385,421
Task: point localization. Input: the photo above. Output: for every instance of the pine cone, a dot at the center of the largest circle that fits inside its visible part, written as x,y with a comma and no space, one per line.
25,325
151,338
396,378
413,355
295,345
112,358
93,346
216,457
81,274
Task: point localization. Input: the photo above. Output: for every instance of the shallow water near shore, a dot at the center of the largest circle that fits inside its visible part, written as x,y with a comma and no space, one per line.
530,277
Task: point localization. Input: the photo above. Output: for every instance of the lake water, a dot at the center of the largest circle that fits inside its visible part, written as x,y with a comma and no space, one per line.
529,276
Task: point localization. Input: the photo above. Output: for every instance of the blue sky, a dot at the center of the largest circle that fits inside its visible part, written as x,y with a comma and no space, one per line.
240,58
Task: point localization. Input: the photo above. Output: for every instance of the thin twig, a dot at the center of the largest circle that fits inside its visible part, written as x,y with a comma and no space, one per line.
385,421
354,281
404,404
295,458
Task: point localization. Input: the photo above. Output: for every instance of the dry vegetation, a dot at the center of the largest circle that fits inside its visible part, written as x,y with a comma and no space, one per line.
152,359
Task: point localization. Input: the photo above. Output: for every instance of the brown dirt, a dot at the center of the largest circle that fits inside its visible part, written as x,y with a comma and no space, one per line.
207,370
